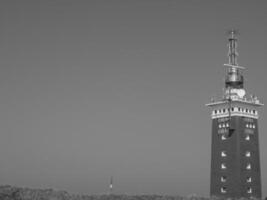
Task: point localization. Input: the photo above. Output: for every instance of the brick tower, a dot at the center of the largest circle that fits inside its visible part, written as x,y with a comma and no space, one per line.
235,156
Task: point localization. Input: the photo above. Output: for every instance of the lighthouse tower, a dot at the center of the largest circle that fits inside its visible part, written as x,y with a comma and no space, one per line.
235,156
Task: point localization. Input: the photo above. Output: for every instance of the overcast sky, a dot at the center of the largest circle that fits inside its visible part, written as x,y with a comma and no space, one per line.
93,89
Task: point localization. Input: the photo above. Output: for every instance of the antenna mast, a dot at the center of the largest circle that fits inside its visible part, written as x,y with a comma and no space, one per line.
233,79
111,185
232,47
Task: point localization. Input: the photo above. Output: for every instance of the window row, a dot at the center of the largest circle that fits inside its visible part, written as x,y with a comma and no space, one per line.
247,154
246,119
223,119
248,166
224,179
223,130
223,137
224,190
250,126
235,109
223,125
226,130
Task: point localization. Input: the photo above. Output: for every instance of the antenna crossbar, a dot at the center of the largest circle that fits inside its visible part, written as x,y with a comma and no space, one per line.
234,66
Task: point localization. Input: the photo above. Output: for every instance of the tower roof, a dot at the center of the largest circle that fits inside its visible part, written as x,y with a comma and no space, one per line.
234,80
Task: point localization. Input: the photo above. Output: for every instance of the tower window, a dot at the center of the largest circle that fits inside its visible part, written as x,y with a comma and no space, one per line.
239,109
247,138
223,154
249,179
223,190
220,126
223,137
224,110
223,179
253,126
248,154
227,124
248,167
249,190
250,126
223,166
215,111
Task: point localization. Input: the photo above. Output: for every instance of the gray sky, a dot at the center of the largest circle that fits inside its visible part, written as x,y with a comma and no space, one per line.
93,89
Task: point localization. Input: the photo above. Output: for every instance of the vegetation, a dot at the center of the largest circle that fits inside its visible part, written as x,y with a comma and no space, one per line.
14,193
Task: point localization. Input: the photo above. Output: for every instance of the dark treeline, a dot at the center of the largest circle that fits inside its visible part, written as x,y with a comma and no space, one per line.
15,193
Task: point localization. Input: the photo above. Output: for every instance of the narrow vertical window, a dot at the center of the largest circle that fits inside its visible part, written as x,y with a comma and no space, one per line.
249,190
247,138
223,166
249,179
223,154
248,154
223,190
223,137
248,167
223,179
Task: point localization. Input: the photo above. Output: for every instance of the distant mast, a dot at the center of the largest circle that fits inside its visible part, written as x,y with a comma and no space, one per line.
111,186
